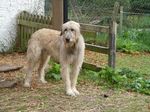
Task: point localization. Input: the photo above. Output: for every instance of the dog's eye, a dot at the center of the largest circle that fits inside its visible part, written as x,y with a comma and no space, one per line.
65,30
72,29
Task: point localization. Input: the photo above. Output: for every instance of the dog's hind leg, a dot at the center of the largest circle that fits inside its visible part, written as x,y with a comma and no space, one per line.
28,78
33,55
43,63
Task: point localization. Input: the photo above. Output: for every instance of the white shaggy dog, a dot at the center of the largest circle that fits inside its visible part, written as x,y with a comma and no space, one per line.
66,47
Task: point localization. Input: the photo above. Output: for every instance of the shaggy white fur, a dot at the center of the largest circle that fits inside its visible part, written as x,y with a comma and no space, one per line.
66,47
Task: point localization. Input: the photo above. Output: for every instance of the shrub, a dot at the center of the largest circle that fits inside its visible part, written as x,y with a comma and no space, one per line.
134,40
120,78
54,72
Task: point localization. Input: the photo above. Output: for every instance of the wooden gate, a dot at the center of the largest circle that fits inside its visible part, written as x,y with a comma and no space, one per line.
29,23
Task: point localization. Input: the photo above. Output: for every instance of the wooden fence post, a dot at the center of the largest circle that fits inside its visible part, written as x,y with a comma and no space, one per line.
121,20
112,40
65,10
57,15
112,45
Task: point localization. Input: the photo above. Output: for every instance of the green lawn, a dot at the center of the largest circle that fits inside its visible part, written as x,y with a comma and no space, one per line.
139,62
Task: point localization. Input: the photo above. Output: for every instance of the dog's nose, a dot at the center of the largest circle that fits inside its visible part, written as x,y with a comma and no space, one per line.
67,40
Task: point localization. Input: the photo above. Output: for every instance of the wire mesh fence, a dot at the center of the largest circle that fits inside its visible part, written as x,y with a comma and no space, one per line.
136,13
89,11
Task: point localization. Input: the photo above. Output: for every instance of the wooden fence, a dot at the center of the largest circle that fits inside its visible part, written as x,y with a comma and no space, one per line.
29,23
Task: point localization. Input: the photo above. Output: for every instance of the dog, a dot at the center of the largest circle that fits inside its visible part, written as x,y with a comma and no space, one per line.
65,47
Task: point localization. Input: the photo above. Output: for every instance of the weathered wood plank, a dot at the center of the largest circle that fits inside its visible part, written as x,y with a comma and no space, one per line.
58,13
21,36
91,66
115,11
96,48
94,28
112,40
112,45
28,35
8,68
8,83
33,24
18,39
121,20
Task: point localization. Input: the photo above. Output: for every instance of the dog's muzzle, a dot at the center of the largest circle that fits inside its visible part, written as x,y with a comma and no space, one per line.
68,37
67,40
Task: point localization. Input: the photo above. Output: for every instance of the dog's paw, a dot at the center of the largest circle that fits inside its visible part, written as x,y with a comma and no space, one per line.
76,92
43,81
70,93
26,84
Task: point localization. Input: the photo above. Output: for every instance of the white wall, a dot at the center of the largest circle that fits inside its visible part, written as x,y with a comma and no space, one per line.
9,9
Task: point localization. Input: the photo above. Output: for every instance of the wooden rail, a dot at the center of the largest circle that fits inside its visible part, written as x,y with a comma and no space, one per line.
96,48
33,24
94,28
91,66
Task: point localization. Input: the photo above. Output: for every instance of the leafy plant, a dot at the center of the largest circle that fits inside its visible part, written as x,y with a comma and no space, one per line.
128,73
134,40
54,72
120,78
110,76
140,85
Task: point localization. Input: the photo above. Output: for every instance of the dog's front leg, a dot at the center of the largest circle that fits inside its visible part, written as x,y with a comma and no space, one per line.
66,78
74,77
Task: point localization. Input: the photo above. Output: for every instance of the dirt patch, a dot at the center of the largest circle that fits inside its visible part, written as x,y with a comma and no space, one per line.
51,97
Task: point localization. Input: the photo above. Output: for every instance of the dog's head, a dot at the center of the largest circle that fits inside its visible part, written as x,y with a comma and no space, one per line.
70,33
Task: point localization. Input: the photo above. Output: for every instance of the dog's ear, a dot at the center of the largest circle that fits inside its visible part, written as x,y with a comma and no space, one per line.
78,25
61,33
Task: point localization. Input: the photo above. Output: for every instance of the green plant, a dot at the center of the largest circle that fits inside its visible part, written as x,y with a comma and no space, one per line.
128,73
140,85
54,72
110,76
133,40
120,78
127,79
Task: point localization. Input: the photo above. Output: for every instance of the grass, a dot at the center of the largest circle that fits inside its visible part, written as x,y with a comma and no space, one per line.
136,62
133,40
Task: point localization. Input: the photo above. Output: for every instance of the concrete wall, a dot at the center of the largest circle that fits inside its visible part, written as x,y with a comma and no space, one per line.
9,9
